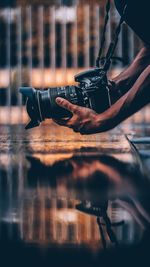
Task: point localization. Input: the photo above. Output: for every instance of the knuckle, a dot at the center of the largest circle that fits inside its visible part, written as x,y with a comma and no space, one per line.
69,106
63,102
75,108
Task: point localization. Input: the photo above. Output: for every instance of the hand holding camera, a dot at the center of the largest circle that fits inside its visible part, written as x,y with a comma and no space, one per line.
91,95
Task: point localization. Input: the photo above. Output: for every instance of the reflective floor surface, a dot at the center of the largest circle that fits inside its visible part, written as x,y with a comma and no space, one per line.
72,200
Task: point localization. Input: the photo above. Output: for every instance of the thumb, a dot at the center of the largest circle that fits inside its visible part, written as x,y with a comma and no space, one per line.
66,104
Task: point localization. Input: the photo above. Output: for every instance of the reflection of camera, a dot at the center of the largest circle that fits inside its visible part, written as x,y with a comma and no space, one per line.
92,91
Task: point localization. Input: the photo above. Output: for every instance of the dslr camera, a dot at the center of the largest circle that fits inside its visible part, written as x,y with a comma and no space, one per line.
92,91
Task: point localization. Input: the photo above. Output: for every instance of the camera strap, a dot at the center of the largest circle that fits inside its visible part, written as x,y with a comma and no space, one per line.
114,43
108,5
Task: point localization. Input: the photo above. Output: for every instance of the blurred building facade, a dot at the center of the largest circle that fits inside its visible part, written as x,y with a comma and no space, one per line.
41,42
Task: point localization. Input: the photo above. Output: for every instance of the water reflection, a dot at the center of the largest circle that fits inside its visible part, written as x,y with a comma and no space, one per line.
84,199
43,204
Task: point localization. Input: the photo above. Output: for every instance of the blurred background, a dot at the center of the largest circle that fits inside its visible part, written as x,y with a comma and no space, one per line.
44,43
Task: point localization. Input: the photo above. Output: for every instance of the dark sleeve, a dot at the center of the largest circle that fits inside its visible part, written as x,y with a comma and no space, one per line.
137,16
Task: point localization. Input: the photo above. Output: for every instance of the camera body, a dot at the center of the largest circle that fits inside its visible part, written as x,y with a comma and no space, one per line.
91,91
95,89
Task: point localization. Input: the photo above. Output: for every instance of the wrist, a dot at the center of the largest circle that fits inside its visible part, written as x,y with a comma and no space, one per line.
104,122
110,118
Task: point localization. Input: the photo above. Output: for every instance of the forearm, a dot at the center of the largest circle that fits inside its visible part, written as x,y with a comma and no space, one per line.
87,121
128,77
136,98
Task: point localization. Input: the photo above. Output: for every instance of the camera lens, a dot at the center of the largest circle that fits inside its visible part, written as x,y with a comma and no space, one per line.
41,104
92,92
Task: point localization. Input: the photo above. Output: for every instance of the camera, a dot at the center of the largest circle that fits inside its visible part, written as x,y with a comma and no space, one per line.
92,91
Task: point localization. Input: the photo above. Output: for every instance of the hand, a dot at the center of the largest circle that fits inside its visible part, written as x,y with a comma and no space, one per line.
83,119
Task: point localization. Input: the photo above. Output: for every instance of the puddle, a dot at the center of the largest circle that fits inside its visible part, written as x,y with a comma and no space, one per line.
65,194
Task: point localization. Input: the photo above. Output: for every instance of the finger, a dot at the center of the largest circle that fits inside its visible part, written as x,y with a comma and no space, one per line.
61,119
66,104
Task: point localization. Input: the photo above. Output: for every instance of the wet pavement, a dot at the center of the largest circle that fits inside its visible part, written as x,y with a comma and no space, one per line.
72,200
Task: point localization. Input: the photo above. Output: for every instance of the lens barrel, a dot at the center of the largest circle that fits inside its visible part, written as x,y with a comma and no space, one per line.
41,104
49,107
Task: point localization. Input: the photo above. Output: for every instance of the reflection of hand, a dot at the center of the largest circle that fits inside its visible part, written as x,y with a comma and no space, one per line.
84,120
